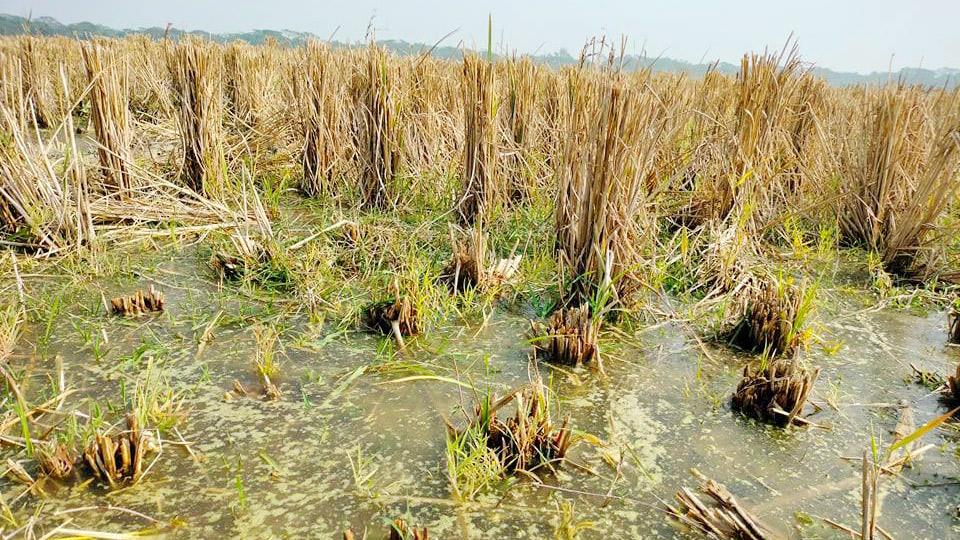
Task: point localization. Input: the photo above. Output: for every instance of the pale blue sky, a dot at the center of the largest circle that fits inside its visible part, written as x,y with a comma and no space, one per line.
849,35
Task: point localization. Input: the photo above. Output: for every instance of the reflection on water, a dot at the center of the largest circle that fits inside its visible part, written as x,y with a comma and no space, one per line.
661,409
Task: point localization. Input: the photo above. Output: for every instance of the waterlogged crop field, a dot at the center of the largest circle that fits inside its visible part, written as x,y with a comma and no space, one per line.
301,291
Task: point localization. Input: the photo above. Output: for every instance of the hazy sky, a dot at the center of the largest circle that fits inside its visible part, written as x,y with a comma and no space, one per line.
848,35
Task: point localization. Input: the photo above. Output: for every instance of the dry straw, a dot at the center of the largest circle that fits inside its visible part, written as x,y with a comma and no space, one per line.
148,301
12,87
772,313
243,83
150,92
195,72
764,114
318,118
37,88
522,75
118,458
379,138
612,130
108,89
528,442
725,518
953,324
473,265
478,180
569,338
900,173
46,200
775,392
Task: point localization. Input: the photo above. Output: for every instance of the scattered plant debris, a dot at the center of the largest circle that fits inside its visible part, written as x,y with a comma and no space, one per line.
56,460
398,531
726,519
397,316
247,258
952,394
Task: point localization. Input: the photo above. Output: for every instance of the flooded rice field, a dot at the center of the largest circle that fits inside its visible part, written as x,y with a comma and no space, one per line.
357,437
312,291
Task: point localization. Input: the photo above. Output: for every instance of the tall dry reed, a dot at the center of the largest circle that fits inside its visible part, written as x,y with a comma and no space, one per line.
243,83
518,120
318,119
612,132
379,137
478,176
195,74
108,89
900,175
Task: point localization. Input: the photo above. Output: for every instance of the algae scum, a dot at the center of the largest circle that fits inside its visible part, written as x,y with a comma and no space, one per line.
357,437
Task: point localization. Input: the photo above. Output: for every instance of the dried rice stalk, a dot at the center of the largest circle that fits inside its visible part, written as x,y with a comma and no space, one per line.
118,459
612,130
952,394
247,254
196,84
380,139
107,74
431,118
570,337
12,87
392,316
400,531
243,83
11,319
17,473
869,498
317,118
472,265
725,263
953,325
479,186
350,234
905,426
901,173
37,90
397,316
254,250
702,170
265,362
774,313
150,93
525,442
141,302
521,85
55,460
764,132
776,392
54,209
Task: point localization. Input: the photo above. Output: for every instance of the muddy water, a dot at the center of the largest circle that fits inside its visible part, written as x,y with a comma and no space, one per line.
298,458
